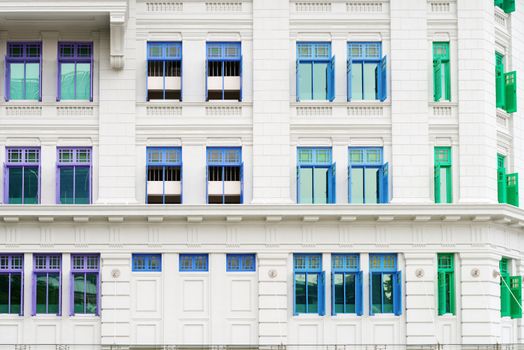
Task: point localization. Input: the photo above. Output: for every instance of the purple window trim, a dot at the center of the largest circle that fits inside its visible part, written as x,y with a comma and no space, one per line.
12,271
74,59
74,164
23,163
47,271
85,271
22,59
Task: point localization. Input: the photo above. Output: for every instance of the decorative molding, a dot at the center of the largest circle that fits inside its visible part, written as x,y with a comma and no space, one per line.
316,6
21,111
271,236
314,111
117,24
224,6
164,111
365,111
74,111
442,111
501,19
223,110
164,6
439,6
364,6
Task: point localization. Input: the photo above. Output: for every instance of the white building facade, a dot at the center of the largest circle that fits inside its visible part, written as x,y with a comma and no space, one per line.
261,172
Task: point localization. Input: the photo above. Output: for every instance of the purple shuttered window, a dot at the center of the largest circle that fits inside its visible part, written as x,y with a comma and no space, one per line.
85,284
47,284
23,71
74,175
22,175
12,284
75,71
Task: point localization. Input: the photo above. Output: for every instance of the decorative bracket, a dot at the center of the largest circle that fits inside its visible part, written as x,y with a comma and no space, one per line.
117,28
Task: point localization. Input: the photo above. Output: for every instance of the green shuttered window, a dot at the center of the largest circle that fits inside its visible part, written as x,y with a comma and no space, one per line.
506,86
510,292
441,72
446,284
507,6
507,184
442,174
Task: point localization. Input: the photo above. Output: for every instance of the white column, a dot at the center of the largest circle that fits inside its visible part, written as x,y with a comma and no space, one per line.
49,66
411,159
194,67
194,171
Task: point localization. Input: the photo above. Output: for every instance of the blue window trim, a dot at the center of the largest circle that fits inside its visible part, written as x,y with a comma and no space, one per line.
344,271
165,45
383,173
397,281
330,60
242,263
364,58
164,163
193,262
310,270
223,45
147,265
331,177
237,162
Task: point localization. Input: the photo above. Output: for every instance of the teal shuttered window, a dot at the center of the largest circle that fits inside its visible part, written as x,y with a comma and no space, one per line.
506,86
507,184
446,284
441,72
315,72
442,173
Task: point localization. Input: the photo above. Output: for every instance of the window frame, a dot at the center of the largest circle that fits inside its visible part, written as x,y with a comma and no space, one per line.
193,257
316,164
25,59
74,164
344,271
47,271
223,164
439,164
381,73
396,283
164,164
147,262
165,58
309,270
84,271
242,263
330,73
443,274
382,173
22,164
224,45
75,59
441,93
9,270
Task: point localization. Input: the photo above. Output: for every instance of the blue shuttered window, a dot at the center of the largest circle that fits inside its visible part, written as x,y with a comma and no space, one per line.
346,284
224,71
164,175
164,71
316,176
225,175
241,262
315,71
385,285
193,263
366,72
308,284
147,263
368,176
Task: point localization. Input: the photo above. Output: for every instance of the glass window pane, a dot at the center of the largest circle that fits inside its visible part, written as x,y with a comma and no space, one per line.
32,78
321,180
16,83
82,185
83,81
443,79
377,293
312,293
356,81
443,185
53,294
449,282
79,293
305,82
387,286
371,185
338,281
41,292
357,185
350,293
320,81
300,293
15,185
91,293
66,185
4,293
30,185
370,81
306,186
16,293
67,81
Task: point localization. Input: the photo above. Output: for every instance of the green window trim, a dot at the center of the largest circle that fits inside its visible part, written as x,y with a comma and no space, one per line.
443,180
507,184
446,283
441,72
505,86
508,6
510,292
